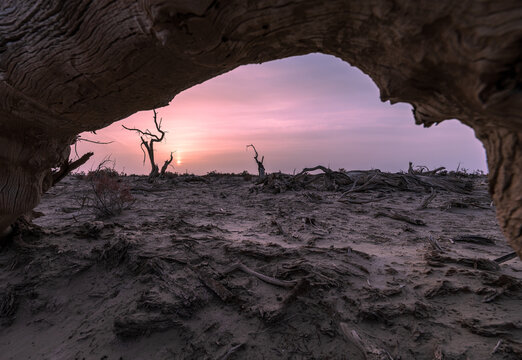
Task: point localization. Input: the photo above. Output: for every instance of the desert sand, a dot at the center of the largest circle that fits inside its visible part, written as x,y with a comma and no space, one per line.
217,267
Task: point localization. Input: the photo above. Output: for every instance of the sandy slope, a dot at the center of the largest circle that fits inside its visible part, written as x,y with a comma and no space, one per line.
158,281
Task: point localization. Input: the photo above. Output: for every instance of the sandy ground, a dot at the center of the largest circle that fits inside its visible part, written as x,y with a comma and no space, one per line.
168,278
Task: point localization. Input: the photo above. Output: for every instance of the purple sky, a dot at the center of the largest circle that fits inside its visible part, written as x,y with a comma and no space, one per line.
298,112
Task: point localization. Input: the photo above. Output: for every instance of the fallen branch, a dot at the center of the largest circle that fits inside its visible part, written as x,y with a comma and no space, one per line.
265,278
505,258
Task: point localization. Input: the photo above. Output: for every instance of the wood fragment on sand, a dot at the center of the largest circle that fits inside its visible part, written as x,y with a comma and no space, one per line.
434,244
219,289
401,217
273,315
505,258
265,278
231,351
427,200
437,260
495,349
474,239
365,346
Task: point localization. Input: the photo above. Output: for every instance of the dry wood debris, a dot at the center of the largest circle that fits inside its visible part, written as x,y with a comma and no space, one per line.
349,182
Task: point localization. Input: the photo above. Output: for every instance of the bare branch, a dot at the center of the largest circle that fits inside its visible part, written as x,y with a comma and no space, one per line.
79,138
65,168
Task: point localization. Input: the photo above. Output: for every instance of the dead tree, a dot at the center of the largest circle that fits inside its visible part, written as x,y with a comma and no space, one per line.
166,164
260,166
147,140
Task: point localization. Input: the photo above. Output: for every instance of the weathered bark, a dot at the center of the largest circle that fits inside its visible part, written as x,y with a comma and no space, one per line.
504,151
67,167
68,66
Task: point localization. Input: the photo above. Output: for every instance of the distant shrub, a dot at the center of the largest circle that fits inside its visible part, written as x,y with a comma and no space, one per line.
105,171
80,175
108,195
246,176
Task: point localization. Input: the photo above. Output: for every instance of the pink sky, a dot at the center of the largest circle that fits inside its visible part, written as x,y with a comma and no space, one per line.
298,112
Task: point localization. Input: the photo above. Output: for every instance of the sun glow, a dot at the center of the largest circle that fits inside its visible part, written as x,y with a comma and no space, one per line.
178,162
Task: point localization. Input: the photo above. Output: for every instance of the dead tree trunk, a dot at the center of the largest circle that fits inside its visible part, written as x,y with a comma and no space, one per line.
166,165
147,140
260,166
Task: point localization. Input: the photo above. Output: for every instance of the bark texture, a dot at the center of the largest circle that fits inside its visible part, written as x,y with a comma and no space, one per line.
68,66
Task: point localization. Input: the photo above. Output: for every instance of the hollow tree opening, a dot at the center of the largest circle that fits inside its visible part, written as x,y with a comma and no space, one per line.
299,111
97,63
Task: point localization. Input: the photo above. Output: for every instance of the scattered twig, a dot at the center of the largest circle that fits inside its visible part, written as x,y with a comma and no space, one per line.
369,350
231,351
434,244
496,347
265,278
427,200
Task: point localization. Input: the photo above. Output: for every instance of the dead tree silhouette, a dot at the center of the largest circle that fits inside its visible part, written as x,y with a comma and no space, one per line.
260,166
147,140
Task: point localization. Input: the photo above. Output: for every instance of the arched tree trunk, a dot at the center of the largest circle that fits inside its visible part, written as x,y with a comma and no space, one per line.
504,153
68,66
